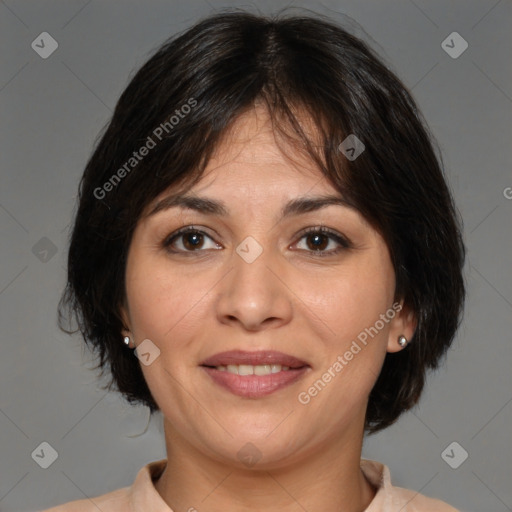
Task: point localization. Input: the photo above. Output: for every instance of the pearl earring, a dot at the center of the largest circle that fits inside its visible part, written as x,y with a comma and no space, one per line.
126,340
402,341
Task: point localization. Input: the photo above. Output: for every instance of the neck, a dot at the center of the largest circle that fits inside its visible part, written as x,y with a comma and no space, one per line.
327,477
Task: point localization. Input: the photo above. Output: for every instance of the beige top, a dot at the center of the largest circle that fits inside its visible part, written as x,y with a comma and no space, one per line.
142,496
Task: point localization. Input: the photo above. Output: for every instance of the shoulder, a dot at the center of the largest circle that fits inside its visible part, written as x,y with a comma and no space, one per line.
389,498
115,501
412,501
141,495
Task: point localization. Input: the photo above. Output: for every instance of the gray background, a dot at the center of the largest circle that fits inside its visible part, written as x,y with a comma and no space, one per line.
51,111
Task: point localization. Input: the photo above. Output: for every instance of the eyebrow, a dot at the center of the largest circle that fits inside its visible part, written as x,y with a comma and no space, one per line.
209,206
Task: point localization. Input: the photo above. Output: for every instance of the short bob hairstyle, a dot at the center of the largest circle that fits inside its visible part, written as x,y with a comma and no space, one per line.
172,116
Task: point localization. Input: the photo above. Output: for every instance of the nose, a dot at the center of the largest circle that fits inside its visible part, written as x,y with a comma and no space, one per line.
254,294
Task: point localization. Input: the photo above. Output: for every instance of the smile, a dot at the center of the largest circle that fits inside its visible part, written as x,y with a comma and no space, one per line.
254,374
248,369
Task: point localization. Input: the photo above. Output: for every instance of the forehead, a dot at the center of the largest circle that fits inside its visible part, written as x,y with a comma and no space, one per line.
257,128
254,151
253,169
258,166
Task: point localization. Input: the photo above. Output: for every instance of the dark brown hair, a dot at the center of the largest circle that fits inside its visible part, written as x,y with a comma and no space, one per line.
219,68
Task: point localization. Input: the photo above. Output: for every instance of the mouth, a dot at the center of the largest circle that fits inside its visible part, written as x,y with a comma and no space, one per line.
247,369
254,374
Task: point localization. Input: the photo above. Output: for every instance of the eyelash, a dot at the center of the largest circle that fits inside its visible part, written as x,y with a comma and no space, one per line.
320,230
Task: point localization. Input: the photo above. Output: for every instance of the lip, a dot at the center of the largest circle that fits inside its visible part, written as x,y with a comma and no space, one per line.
254,358
254,386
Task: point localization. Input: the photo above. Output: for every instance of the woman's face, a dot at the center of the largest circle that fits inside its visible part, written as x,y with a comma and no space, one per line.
249,288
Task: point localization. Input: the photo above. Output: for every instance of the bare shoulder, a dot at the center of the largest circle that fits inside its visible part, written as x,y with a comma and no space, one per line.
115,501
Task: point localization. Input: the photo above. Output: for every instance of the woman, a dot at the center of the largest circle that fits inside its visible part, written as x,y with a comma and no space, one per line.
267,252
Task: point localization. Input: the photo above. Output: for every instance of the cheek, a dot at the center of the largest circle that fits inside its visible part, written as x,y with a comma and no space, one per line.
165,309
350,306
161,303
350,300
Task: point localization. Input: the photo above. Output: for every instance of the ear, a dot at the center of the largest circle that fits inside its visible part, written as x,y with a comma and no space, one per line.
126,330
125,318
404,323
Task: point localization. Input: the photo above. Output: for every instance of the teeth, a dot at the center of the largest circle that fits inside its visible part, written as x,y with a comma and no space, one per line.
262,369
248,369
245,369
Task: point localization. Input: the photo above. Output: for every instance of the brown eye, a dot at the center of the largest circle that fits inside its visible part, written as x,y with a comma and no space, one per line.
189,240
319,239
192,240
317,242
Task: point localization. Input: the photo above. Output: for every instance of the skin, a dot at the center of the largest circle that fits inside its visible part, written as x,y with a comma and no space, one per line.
194,304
